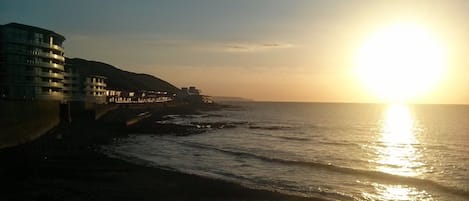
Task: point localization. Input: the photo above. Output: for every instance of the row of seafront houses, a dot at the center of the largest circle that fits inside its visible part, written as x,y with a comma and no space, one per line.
38,91
32,66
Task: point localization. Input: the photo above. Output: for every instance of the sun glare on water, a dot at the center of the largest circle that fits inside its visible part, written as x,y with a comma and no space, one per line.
400,62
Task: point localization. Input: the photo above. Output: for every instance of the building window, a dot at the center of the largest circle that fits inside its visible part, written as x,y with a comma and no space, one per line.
38,37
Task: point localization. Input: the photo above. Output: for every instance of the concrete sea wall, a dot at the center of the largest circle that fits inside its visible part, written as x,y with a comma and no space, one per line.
24,121
90,111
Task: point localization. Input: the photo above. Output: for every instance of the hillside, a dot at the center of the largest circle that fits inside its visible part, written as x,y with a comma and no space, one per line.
119,79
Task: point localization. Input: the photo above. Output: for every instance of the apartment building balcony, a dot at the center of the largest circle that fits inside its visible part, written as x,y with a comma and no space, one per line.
50,56
52,75
100,84
37,44
44,64
50,84
42,54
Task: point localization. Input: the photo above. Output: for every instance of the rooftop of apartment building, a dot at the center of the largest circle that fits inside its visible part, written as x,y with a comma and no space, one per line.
33,28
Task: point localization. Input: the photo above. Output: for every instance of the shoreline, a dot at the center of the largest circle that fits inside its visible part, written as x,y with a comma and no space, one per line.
64,165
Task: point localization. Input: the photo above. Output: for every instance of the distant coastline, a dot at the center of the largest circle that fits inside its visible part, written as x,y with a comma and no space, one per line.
230,99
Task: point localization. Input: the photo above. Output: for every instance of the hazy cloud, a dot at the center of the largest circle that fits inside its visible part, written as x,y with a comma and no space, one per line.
222,46
194,45
254,47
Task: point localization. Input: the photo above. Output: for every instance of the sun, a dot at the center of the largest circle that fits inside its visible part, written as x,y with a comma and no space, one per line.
400,62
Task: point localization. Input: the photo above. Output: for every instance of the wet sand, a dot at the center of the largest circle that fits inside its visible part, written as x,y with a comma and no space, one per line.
63,165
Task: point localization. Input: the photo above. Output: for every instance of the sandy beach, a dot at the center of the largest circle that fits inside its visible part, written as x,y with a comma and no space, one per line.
64,165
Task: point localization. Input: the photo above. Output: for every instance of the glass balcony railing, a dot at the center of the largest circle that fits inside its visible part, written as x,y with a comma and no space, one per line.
36,53
39,44
52,75
47,65
50,84
52,56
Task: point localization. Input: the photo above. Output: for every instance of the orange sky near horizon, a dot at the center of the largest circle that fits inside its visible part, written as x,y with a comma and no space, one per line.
292,74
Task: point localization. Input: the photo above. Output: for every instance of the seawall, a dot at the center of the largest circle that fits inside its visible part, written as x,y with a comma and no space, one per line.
90,111
24,121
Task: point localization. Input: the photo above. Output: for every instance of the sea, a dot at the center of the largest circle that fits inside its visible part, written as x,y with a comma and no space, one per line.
333,151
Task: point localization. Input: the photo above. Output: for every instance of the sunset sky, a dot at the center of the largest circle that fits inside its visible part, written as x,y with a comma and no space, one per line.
271,50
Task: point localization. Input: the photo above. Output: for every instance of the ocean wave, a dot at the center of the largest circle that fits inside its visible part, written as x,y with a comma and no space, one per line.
192,116
294,138
185,116
338,143
254,183
271,127
203,125
377,175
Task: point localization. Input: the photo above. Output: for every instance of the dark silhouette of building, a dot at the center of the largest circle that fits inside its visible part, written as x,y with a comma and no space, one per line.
31,63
